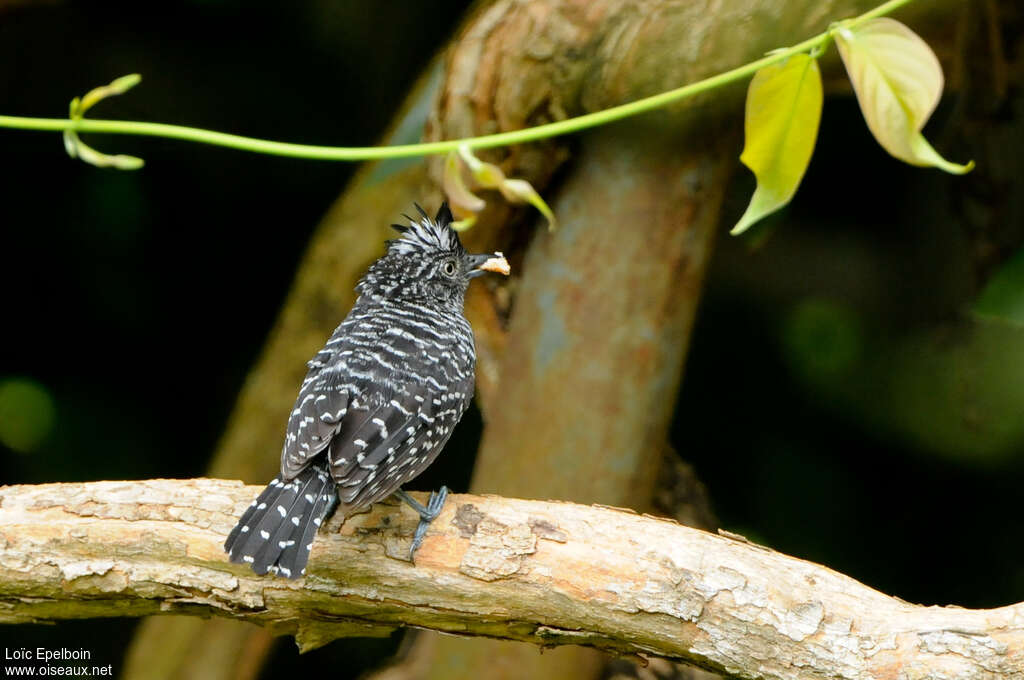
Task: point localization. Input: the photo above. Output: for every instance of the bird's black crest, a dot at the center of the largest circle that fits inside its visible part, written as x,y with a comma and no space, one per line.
444,216
426,234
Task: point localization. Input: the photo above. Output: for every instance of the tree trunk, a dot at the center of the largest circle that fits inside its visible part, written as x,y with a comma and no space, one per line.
602,319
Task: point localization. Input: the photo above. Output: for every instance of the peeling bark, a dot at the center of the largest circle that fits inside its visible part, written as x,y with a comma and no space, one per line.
540,572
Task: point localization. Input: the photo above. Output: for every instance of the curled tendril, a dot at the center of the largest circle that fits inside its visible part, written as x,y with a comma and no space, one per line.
76,148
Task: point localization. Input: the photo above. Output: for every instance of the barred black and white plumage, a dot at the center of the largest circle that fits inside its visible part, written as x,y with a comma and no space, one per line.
379,400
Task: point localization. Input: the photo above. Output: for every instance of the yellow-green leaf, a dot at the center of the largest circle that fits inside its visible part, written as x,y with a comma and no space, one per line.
455,187
898,81
118,86
521,191
76,148
783,111
490,176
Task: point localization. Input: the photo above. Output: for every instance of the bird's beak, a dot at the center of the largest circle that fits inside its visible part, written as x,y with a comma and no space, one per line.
494,262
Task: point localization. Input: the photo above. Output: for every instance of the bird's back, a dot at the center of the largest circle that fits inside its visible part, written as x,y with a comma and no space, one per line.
402,372
384,345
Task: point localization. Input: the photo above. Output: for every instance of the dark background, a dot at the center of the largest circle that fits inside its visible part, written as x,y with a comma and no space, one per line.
840,400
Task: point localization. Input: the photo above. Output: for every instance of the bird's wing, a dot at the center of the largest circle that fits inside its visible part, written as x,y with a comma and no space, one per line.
380,448
321,406
447,410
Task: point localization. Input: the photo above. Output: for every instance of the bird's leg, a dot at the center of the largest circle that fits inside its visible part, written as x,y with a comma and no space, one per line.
427,514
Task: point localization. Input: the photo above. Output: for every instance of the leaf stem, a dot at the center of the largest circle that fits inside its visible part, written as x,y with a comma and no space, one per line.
340,153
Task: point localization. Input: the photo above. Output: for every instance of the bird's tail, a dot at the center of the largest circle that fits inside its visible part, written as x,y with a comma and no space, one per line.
276,532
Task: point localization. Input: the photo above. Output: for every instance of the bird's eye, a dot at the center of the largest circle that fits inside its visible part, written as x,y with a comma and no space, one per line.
449,268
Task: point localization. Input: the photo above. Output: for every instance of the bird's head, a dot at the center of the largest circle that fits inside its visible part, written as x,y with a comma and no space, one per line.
428,262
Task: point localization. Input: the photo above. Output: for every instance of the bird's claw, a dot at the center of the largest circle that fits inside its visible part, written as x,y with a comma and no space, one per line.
427,514
436,503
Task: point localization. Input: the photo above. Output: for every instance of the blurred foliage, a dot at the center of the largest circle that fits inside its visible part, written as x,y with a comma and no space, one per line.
822,340
1003,297
954,390
27,414
841,401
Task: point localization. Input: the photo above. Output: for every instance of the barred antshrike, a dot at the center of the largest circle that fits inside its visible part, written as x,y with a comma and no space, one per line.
379,401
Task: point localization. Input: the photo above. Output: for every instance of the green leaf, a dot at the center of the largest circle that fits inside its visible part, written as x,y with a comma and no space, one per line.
898,81
1003,296
783,111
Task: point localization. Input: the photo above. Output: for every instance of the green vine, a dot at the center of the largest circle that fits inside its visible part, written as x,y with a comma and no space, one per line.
76,124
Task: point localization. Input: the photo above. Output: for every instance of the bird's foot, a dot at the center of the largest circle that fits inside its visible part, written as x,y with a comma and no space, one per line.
427,514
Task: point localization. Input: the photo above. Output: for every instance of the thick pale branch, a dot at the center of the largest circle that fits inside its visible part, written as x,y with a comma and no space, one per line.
544,572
